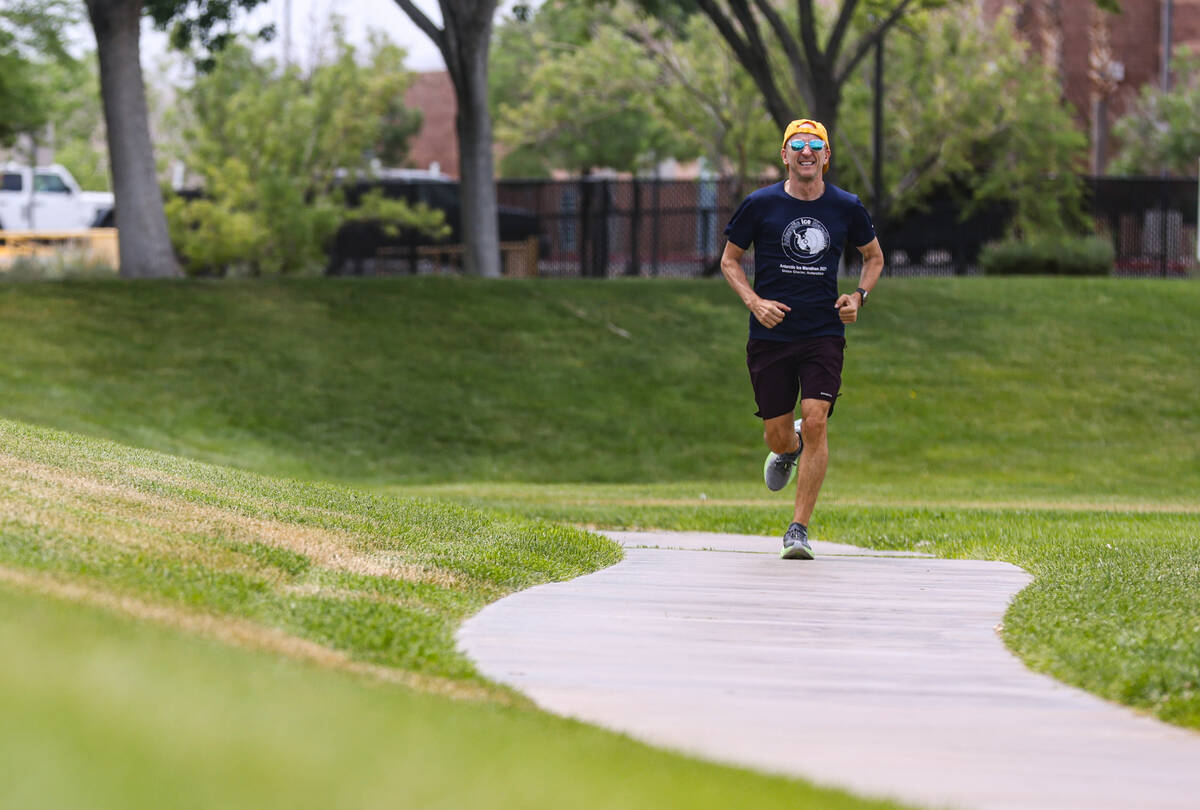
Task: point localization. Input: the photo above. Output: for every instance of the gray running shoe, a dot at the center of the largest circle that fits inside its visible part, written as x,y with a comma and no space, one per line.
780,468
795,544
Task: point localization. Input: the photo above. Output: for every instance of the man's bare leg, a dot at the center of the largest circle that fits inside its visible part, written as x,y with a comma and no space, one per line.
810,473
779,433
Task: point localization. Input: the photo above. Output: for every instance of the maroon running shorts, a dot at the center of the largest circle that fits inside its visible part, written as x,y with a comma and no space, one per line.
779,371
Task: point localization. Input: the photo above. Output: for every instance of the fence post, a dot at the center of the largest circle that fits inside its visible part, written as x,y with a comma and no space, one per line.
654,223
1163,235
602,239
635,214
585,215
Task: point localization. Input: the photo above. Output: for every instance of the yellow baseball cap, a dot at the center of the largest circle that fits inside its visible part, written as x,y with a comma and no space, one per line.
807,125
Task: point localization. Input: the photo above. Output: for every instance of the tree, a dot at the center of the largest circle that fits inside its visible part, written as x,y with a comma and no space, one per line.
971,107
1162,130
145,246
578,85
813,58
275,147
463,41
571,91
75,135
706,96
30,46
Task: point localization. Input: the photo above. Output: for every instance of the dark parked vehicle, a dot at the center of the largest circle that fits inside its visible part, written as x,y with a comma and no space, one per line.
371,246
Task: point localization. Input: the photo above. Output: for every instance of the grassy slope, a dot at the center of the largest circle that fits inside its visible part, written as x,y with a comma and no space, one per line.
109,713
975,389
106,712
962,393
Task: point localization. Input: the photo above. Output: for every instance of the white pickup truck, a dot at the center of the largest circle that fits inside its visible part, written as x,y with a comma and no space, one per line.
48,199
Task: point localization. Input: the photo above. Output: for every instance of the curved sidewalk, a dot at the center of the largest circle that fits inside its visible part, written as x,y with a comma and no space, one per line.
875,672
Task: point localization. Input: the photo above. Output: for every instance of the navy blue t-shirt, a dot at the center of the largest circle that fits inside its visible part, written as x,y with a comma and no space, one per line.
797,245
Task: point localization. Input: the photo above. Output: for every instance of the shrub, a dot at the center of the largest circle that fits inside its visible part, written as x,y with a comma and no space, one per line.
1048,256
275,146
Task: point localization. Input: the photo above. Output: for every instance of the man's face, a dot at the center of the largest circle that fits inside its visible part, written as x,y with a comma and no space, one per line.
807,163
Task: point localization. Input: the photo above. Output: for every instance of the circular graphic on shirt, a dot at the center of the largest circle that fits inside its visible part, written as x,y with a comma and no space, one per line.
805,239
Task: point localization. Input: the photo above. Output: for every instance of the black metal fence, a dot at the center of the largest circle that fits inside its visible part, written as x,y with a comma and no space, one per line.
1150,220
647,227
603,228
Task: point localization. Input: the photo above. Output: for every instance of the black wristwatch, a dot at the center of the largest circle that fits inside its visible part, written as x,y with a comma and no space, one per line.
862,295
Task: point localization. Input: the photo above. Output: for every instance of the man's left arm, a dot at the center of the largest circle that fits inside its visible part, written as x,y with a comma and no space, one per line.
849,304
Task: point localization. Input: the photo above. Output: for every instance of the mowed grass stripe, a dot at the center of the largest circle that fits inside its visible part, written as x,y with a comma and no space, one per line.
102,711
382,580
337,696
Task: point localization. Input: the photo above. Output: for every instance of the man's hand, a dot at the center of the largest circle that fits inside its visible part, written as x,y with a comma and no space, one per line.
847,307
769,313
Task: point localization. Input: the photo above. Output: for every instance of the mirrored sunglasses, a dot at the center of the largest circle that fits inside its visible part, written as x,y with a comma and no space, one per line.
816,144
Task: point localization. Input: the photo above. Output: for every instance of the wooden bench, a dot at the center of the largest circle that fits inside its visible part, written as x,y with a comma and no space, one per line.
517,259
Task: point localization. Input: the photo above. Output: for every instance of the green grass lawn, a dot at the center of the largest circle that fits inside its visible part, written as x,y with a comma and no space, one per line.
955,389
390,453
315,667
105,712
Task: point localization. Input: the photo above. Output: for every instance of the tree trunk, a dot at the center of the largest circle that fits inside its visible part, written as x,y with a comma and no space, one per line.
480,211
145,247
468,33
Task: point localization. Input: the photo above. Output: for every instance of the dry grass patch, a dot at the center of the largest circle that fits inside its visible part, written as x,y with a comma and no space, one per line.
248,635
372,580
121,513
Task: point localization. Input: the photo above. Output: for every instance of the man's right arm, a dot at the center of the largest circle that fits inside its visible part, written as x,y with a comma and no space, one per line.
768,313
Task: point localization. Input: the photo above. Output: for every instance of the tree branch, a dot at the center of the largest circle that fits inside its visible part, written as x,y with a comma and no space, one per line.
911,178
854,159
834,44
425,24
665,55
754,61
870,40
808,33
791,49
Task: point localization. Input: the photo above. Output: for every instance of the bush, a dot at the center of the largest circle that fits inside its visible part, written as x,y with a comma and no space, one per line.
1048,256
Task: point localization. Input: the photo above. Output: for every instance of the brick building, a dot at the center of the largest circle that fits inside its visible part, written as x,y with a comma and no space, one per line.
437,143
1104,59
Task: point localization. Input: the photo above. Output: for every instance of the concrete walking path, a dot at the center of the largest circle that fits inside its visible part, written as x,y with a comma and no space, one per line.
875,672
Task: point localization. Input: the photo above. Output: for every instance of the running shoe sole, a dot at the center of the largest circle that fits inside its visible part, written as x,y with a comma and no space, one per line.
795,552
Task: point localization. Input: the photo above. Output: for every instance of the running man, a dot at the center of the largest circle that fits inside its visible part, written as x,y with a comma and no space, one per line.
797,323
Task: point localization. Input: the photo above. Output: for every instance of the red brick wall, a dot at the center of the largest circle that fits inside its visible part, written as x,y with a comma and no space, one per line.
433,94
1135,38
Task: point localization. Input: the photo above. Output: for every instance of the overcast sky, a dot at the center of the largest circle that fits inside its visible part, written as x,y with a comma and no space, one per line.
311,17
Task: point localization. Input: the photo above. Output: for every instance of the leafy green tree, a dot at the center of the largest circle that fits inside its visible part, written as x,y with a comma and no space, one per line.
968,105
273,148
1162,130
76,136
800,57
30,46
578,86
705,97
20,95
571,91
